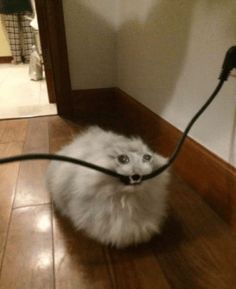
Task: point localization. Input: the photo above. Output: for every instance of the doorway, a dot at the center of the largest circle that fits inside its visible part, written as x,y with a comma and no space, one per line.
54,49
55,62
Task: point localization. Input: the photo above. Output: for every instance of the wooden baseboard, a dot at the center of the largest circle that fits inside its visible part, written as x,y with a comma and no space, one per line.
92,103
96,106
210,176
5,59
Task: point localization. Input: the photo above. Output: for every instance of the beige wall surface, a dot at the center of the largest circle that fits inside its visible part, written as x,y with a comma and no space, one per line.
91,39
4,46
166,54
169,58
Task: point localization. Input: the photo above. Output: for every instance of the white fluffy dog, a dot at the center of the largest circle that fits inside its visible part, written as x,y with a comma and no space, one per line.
101,205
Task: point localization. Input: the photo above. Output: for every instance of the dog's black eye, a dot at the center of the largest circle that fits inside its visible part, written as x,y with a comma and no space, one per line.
147,157
123,159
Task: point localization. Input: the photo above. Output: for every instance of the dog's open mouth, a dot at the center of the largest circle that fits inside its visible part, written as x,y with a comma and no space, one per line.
135,179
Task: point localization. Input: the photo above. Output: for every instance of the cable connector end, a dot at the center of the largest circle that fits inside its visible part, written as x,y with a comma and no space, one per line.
229,63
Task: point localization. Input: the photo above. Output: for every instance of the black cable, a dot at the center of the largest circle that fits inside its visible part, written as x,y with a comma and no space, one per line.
228,65
55,157
185,133
124,179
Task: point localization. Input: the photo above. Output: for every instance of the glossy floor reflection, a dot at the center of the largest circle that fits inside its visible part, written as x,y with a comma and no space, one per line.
40,249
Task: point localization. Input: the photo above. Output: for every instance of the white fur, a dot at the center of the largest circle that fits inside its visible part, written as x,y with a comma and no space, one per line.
100,205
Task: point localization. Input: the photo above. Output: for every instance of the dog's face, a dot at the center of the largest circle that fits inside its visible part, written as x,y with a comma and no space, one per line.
132,158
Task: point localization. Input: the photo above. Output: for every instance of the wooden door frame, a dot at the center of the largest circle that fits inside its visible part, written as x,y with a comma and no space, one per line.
54,50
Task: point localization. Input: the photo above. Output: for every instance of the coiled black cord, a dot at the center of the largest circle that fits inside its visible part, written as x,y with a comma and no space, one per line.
228,65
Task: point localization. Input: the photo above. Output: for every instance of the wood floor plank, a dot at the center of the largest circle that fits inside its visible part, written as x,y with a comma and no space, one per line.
13,130
76,128
28,259
136,268
197,250
59,128
58,138
2,128
31,189
8,177
61,132
79,261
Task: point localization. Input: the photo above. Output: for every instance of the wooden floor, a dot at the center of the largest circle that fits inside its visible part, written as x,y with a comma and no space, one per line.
38,249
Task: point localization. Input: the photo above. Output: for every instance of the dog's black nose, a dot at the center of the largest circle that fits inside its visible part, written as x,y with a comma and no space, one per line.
136,178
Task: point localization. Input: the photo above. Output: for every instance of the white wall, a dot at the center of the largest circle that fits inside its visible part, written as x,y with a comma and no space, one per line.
91,39
169,58
166,54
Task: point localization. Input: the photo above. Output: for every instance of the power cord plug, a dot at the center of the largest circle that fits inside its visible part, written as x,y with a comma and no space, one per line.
229,63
